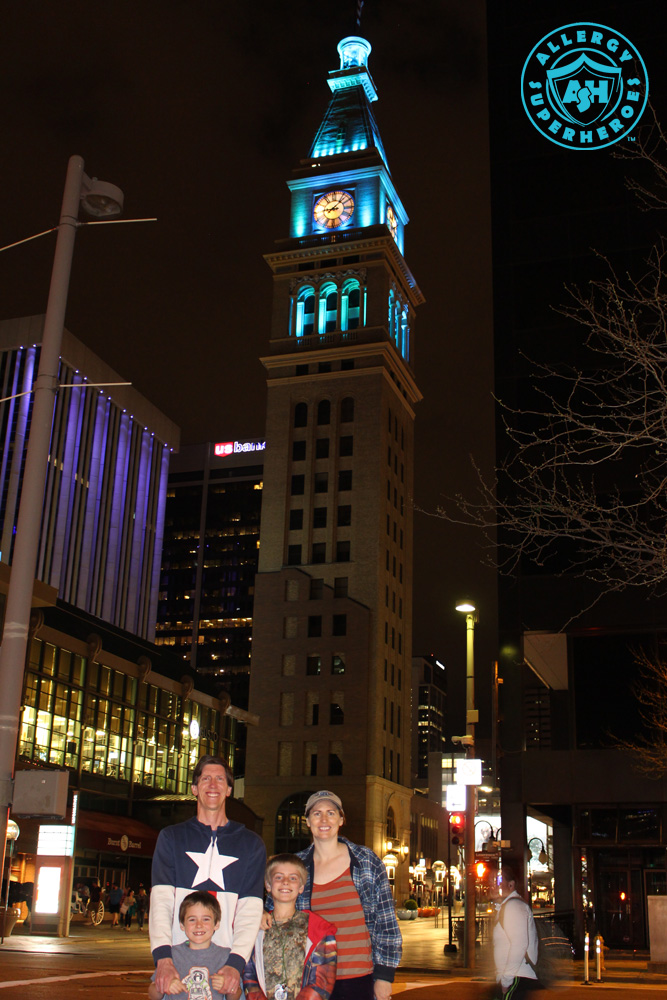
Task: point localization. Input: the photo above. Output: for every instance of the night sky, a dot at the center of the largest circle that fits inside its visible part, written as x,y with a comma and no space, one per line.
199,110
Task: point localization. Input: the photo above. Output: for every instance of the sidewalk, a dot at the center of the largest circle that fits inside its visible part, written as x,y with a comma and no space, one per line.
423,953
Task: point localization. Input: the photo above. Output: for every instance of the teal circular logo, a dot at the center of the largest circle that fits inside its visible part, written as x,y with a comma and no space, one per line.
584,86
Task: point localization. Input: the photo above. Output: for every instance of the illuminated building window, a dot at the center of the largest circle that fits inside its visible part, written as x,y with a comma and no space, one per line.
350,305
305,312
328,308
338,663
313,665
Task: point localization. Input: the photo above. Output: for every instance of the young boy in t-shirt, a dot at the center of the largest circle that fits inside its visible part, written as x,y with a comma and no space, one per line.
197,960
295,958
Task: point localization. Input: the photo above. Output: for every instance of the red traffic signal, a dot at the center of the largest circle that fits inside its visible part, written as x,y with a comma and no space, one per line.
456,828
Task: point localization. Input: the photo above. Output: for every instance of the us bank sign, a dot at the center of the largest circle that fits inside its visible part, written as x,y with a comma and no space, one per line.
584,86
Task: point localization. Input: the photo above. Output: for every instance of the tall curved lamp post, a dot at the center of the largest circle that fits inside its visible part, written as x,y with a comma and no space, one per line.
470,930
101,200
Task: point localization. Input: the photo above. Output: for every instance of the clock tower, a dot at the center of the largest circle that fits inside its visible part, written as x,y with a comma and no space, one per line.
332,643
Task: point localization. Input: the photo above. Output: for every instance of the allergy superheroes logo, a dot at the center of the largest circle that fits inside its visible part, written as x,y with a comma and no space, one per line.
584,86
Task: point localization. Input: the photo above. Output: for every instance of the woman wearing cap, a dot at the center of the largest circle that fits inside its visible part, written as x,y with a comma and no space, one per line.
347,885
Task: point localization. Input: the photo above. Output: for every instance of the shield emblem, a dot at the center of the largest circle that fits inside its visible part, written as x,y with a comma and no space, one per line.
583,91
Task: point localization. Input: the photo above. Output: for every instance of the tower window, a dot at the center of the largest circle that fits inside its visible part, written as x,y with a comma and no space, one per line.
340,586
323,367
344,515
320,517
321,482
328,308
298,451
316,589
324,412
345,445
319,552
338,663
344,480
346,409
305,312
347,364
313,665
321,448
298,485
301,415
296,520
342,551
314,626
339,625
294,555
350,302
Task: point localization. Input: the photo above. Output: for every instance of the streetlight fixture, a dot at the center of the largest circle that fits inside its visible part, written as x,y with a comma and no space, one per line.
470,931
101,200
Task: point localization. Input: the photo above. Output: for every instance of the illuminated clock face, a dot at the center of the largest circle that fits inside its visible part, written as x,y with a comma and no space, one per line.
333,209
392,221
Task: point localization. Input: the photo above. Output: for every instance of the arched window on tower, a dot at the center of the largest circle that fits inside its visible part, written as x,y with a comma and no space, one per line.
324,412
346,410
301,415
328,308
350,305
292,833
391,312
305,312
405,334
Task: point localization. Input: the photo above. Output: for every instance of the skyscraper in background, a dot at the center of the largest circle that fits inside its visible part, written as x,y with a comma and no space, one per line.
106,481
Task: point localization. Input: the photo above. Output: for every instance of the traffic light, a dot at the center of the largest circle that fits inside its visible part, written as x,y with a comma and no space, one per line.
456,829
480,868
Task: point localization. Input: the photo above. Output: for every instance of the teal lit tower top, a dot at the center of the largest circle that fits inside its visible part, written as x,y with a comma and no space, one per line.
349,124
345,183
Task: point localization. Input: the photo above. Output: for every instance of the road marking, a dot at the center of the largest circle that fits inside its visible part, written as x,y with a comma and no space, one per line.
69,979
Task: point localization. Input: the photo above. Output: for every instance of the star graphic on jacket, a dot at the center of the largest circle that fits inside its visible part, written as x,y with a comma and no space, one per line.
210,865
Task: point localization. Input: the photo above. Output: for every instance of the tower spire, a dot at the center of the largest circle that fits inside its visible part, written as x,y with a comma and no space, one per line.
349,124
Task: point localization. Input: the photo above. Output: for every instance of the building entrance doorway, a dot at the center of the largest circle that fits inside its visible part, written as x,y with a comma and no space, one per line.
621,907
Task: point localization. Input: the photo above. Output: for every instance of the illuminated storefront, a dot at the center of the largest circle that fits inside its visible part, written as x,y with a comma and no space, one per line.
97,720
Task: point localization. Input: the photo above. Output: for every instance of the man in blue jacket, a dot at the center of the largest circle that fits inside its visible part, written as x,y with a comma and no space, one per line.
214,854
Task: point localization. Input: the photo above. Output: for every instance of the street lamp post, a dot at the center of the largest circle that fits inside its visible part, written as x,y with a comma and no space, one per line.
102,200
470,930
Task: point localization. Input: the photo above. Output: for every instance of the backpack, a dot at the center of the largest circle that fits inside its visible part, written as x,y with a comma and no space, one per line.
553,967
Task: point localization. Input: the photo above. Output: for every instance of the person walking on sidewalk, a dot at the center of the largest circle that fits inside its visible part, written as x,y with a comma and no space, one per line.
142,906
515,942
128,908
115,899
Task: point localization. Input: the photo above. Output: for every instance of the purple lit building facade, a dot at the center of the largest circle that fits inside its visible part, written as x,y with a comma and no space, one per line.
106,484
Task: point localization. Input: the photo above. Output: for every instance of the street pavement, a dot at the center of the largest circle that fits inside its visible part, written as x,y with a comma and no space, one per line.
117,965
